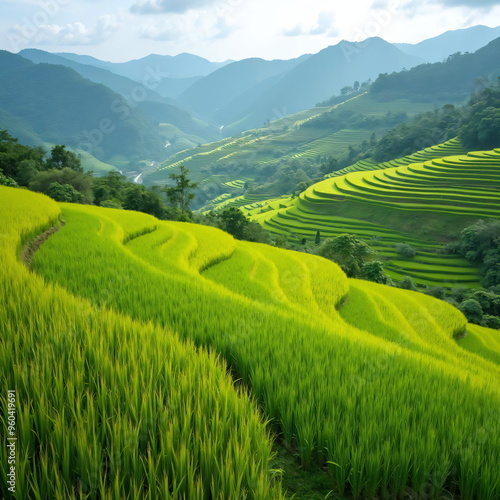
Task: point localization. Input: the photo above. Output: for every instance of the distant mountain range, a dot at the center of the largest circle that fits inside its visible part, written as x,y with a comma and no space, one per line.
440,47
191,100
314,79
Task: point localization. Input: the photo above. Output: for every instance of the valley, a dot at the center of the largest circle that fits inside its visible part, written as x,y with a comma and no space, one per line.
250,277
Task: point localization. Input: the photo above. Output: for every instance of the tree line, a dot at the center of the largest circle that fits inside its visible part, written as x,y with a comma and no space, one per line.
60,175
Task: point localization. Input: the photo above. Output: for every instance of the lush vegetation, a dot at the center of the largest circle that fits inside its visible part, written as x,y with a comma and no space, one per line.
107,406
378,400
60,175
453,80
290,151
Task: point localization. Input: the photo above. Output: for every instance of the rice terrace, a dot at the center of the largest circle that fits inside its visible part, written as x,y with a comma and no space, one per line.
264,275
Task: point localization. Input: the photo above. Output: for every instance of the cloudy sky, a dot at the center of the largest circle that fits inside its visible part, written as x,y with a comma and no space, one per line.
120,30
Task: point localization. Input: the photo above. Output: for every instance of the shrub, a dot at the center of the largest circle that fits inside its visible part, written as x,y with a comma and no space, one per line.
407,284
472,310
405,250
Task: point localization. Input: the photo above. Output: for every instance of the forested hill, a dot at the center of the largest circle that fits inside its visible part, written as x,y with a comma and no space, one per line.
452,80
61,106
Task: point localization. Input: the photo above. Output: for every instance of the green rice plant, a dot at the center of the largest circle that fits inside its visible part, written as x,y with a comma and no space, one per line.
108,407
379,415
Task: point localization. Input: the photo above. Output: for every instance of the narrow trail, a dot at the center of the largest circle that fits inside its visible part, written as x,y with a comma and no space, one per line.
32,246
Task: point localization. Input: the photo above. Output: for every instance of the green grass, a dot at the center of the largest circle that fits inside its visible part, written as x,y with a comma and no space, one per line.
148,318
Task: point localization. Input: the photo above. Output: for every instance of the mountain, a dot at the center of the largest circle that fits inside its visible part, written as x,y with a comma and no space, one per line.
453,80
180,66
440,47
312,80
60,106
164,110
121,84
211,94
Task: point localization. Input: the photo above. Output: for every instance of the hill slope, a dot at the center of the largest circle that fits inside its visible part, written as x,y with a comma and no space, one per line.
425,200
453,80
338,388
319,77
99,121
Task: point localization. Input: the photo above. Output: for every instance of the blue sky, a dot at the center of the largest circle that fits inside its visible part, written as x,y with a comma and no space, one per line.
227,29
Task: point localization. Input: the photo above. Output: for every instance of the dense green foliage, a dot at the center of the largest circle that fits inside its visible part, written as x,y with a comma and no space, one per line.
60,176
480,243
453,80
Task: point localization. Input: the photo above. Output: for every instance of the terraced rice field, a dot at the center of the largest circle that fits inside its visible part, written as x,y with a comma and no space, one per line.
376,393
386,204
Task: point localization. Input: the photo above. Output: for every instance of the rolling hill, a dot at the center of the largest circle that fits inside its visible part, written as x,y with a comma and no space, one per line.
304,139
214,94
42,96
365,385
142,95
453,80
301,87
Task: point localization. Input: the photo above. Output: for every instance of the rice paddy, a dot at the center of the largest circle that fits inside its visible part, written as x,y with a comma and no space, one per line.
183,353
424,200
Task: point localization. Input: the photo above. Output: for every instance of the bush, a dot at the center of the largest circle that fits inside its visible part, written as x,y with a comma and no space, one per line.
407,284
472,310
405,250
436,291
491,321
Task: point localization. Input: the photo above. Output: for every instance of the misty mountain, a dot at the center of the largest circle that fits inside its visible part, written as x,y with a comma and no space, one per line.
164,110
60,106
180,66
313,80
213,93
438,48
453,80
121,84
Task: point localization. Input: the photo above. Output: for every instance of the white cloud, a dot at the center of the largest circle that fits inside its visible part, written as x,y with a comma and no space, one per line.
192,27
76,33
172,6
323,26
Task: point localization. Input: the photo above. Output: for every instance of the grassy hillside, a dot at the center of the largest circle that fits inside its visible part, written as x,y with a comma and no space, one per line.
91,421
424,199
257,154
371,394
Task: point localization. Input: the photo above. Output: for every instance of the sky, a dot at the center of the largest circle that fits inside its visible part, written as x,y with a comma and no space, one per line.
121,30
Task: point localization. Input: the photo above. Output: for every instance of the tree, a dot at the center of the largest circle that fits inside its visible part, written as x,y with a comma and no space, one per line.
317,239
180,195
374,271
61,158
330,165
347,251
7,181
64,192
82,182
472,310
233,221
